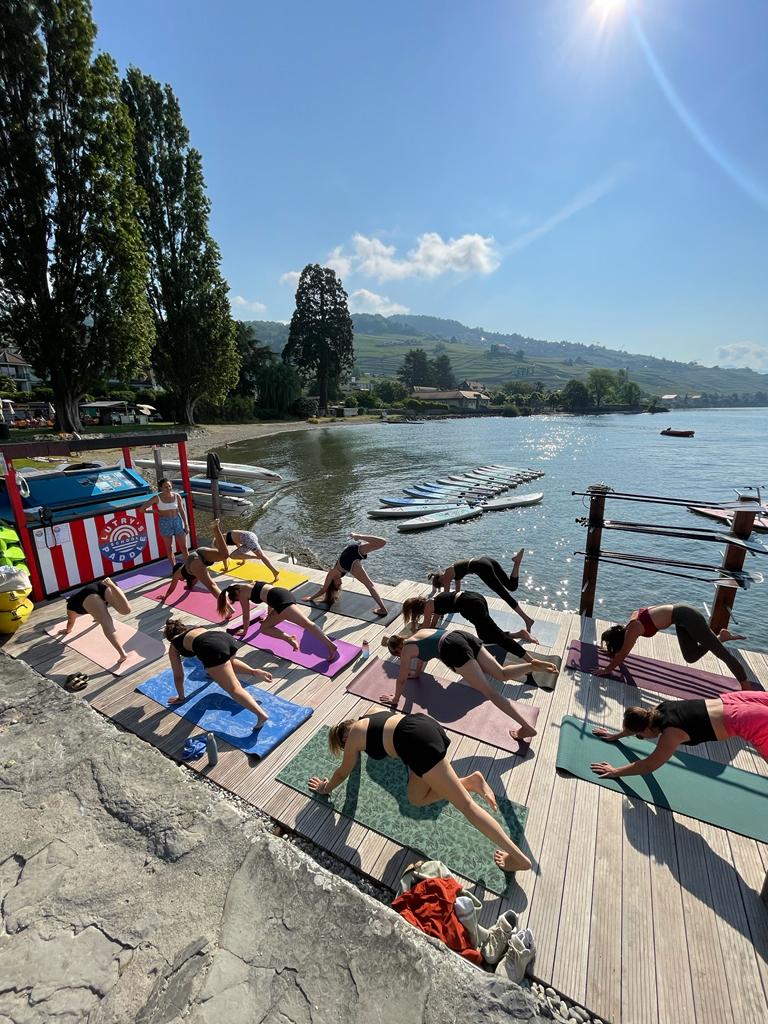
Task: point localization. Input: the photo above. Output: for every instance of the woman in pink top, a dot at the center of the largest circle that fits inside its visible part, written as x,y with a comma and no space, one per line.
693,634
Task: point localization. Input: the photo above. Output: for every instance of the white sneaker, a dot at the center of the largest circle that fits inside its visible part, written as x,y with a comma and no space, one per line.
515,962
495,946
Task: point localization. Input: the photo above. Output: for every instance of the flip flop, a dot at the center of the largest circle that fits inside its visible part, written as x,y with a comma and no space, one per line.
77,681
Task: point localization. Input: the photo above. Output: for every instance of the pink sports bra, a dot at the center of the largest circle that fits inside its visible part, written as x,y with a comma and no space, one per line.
645,620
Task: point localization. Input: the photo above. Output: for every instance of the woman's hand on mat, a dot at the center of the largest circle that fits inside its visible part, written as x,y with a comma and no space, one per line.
389,698
176,700
604,734
318,785
605,770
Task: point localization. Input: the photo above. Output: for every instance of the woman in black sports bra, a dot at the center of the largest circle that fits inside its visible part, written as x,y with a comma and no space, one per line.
491,573
95,599
282,606
195,566
421,744
216,651
351,561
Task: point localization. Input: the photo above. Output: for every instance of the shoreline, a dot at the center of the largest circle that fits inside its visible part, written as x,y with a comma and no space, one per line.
215,436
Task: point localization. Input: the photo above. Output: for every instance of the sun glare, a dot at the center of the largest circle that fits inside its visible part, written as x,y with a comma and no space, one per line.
605,9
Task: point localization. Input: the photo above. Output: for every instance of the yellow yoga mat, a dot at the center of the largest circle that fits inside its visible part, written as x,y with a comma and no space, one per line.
254,570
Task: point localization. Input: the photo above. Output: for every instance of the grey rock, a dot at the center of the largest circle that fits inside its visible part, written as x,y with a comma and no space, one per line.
133,891
551,993
580,1014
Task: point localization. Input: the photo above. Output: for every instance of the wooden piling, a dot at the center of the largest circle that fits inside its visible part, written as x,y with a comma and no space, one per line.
733,559
597,493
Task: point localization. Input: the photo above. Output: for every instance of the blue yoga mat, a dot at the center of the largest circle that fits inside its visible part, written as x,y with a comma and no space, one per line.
210,707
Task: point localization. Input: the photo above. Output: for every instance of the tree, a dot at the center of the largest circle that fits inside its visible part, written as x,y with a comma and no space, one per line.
600,383
254,357
629,393
279,387
390,391
574,395
416,369
320,339
442,373
196,354
72,262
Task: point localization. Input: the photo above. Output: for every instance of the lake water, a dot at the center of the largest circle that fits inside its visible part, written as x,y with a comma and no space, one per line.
336,474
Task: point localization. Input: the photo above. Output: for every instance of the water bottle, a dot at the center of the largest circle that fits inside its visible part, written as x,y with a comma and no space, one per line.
211,749
366,649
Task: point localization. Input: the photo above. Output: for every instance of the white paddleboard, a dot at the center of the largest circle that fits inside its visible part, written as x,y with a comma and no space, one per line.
498,504
428,522
227,468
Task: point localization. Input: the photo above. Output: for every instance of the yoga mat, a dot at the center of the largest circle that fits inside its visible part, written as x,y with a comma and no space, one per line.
210,707
255,571
707,790
375,795
197,601
311,652
661,676
144,574
350,604
88,639
545,632
453,704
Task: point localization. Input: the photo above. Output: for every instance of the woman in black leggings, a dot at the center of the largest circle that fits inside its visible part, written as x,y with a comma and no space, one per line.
491,573
282,605
351,561
426,612
421,744
194,568
693,635
216,651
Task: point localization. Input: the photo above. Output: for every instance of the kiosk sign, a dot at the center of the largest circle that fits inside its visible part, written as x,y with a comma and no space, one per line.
123,538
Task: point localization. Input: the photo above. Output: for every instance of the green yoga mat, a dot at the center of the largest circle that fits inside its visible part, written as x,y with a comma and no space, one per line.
716,793
375,795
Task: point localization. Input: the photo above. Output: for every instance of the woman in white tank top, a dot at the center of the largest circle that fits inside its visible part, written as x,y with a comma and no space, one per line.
172,519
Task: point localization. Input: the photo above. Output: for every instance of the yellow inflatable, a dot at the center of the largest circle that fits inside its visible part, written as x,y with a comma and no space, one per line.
12,599
11,620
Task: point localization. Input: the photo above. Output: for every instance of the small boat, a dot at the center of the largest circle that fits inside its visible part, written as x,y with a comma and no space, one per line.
227,502
428,522
423,500
202,483
408,511
760,524
227,468
669,432
499,504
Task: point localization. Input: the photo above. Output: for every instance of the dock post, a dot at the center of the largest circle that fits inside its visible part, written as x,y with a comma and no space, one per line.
157,456
597,493
733,559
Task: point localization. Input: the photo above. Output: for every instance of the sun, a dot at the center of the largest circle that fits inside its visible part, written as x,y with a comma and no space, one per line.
605,9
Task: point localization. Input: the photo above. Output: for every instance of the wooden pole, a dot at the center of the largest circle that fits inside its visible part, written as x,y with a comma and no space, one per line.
184,463
733,559
597,493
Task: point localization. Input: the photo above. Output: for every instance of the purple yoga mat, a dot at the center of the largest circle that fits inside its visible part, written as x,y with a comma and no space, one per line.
144,574
661,676
453,704
311,653
196,601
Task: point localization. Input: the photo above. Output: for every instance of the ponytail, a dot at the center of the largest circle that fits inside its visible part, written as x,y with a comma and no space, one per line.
333,593
337,736
174,627
394,644
436,579
613,639
413,610
225,600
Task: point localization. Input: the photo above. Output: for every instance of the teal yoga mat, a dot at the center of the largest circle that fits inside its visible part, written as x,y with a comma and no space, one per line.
375,795
716,793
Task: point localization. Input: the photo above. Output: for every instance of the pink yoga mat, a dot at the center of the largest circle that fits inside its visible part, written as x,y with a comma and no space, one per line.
87,638
453,704
661,676
311,653
197,601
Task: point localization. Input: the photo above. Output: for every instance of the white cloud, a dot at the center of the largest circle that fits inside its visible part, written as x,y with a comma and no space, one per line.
290,277
363,301
431,257
743,354
337,261
247,306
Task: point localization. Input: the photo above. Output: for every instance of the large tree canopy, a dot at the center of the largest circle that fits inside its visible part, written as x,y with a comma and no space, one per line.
320,342
72,262
196,354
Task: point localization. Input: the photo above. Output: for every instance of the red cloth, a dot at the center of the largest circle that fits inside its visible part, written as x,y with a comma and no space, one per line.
429,906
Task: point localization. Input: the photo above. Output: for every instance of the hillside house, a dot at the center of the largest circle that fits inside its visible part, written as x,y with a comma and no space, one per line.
460,399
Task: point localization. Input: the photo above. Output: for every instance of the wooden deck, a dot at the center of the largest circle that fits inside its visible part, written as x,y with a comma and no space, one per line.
639,914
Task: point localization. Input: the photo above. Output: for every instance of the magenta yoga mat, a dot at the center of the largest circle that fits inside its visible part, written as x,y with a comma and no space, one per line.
453,704
312,653
661,676
197,601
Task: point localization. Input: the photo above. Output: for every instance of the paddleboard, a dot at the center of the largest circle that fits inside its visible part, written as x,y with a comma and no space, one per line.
227,468
761,522
407,511
227,502
520,500
417,501
202,483
428,522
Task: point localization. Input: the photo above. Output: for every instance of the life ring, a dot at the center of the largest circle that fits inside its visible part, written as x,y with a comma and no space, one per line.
23,486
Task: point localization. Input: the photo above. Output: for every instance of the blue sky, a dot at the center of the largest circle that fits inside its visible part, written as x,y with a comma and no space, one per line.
539,166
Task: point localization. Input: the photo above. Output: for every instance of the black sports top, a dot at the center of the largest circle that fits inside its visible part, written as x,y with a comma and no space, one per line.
374,737
277,598
444,603
460,569
256,590
178,643
689,715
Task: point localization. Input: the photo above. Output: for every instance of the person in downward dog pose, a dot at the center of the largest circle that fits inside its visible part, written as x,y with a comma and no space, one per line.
421,612
282,606
421,744
465,655
246,545
351,561
690,722
95,599
693,635
216,651
491,573
195,566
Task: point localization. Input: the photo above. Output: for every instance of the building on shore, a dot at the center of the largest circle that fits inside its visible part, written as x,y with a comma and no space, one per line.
456,398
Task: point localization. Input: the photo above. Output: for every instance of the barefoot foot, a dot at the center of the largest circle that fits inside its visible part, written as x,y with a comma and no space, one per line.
523,732
476,783
505,861
725,635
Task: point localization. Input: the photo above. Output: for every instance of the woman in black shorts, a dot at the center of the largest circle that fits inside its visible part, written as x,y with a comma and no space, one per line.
216,651
195,566
282,606
421,744
492,575
351,561
96,599
464,654
421,612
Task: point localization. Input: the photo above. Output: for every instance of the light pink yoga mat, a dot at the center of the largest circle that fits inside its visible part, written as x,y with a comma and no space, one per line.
453,704
196,601
87,638
312,653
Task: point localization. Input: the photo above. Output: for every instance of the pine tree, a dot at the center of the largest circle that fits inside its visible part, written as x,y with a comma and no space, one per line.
442,373
416,369
320,339
196,354
72,262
